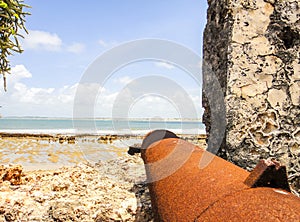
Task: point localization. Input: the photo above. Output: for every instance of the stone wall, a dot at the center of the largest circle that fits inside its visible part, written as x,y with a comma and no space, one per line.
253,47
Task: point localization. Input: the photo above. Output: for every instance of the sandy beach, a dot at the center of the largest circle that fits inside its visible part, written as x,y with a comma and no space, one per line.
74,178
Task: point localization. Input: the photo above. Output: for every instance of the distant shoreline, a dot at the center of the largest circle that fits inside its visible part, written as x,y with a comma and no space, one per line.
104,118
78,133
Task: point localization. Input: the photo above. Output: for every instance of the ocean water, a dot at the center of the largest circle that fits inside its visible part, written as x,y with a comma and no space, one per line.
97,126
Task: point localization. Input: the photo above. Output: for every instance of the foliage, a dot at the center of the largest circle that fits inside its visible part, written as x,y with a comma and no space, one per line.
12,21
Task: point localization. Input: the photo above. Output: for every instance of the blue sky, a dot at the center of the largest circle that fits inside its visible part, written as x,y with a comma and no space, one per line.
66,36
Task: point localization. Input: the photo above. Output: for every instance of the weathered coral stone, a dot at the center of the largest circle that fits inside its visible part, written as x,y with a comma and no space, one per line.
253,46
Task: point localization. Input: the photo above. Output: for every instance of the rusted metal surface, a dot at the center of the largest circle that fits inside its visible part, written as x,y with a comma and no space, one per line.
214,193
268,173
255,204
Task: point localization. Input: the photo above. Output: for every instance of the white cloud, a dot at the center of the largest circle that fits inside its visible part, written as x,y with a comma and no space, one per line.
22,100
124,80
106,44
25,100
41,40
32,95
156,107
76,48
165,65
19,72
103,43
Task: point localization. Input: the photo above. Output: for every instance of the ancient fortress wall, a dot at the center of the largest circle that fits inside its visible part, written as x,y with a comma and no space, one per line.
253,47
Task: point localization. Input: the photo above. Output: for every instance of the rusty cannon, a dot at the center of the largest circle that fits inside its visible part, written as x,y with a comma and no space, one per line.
182,190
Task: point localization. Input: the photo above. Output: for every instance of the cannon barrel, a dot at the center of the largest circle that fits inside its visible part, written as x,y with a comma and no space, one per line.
182,191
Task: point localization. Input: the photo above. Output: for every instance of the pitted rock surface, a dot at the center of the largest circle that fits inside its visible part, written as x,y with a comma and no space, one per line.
253,48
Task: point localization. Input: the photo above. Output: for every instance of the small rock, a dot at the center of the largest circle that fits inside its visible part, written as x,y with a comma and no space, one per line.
11,174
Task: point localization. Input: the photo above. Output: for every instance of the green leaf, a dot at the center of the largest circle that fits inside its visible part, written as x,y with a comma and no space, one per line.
3,4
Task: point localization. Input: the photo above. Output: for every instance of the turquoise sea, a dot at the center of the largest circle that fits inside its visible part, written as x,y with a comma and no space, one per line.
97,126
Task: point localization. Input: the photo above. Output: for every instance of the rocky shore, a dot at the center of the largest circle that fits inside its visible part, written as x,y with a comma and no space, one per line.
99,181
112,190
43,151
